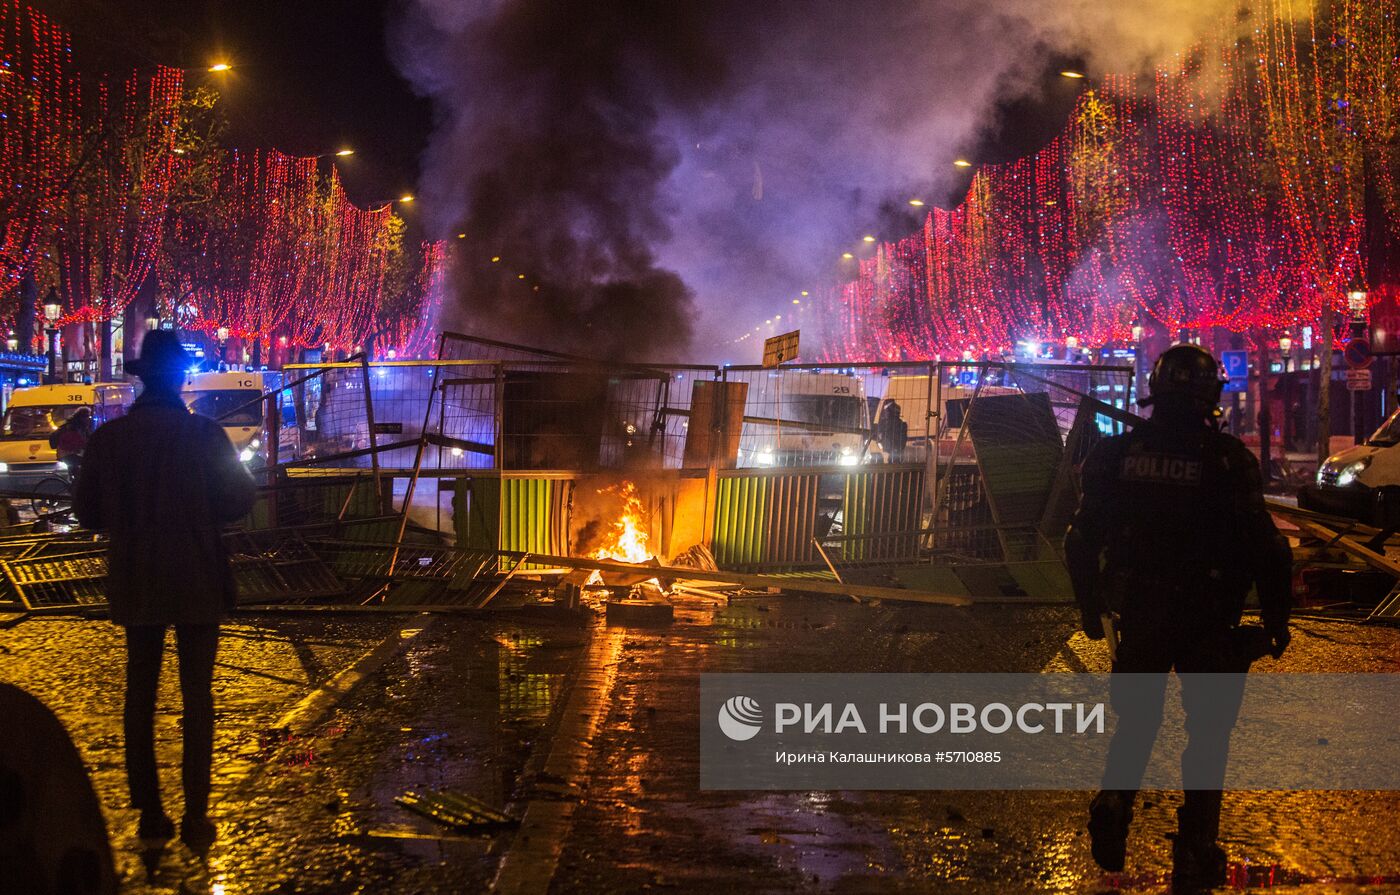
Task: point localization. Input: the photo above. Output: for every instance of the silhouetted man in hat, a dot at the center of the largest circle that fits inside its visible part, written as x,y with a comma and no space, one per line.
163,482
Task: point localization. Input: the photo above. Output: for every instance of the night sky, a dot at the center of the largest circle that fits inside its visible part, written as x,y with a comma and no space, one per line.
310,76
313,76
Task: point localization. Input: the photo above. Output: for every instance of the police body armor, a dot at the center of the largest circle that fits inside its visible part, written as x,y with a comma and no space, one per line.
1168,551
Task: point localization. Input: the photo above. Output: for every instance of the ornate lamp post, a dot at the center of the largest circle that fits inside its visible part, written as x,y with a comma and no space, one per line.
53,309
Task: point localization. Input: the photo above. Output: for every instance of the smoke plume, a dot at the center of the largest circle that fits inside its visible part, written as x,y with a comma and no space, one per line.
641,179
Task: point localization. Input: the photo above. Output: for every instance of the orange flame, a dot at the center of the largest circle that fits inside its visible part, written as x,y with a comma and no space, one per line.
626,539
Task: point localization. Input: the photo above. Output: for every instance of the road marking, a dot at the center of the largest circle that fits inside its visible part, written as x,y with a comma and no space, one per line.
533,855
315,705
313,708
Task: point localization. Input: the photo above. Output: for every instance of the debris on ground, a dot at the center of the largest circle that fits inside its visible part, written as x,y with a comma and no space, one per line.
454,809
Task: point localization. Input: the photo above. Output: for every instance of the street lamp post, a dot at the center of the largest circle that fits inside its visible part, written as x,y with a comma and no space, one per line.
1285,350
1356,304
53,309
221,335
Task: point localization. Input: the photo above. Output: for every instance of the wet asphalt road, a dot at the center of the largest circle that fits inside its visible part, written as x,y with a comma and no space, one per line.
471,704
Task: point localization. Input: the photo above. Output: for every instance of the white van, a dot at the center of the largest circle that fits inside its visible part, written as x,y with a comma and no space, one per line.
232,400
1347,482
796,417
37,412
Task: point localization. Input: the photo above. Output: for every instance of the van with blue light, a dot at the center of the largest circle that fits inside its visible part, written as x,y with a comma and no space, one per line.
35,413
232,399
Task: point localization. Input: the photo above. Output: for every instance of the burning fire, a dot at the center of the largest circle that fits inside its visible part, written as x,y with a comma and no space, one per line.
626,538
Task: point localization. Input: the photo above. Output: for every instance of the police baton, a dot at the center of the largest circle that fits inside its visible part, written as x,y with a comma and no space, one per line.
1110,635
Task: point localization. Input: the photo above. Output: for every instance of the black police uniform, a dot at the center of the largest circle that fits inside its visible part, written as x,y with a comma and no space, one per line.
1176,511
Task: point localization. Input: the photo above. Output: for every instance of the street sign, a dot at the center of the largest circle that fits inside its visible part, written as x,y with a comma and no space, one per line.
1236,364
1358,354
1235,385
780,348
1358,380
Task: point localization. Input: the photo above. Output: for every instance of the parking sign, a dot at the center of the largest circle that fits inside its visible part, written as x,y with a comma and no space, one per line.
1236,364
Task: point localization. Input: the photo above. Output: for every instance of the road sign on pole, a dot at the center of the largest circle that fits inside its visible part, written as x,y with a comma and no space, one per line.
1358,354
1236,364
1358,380
780,348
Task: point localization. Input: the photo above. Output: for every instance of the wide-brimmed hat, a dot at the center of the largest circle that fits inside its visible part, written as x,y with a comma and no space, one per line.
161,352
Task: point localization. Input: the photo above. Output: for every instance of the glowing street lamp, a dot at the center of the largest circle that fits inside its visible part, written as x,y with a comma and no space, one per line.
343,153
406,197
1137,331
868,238
1072,74
12,342
53,309
962,163
220,67
1285,348
1356,301
917,203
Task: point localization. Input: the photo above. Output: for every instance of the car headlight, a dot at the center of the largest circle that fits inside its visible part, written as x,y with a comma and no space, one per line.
62,466
4,467
246,455
255,443
765,457
1347,474
849,459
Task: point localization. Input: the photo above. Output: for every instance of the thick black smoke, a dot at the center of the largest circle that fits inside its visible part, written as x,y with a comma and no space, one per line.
643,169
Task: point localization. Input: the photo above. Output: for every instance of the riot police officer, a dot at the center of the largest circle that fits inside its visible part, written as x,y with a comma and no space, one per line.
1170,533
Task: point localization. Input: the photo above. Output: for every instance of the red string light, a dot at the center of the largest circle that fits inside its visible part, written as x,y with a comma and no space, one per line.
1228,194
87,170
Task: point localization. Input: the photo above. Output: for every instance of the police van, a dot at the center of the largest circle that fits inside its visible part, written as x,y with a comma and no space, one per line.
232,399
800,418
37,412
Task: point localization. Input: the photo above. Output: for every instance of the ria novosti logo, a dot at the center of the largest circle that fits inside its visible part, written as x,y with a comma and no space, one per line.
741,718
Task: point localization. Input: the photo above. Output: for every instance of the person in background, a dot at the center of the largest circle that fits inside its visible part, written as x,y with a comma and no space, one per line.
70,440
163,482
893,433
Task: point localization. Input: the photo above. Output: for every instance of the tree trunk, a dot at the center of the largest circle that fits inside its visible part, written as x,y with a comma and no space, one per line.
104,350
1324,390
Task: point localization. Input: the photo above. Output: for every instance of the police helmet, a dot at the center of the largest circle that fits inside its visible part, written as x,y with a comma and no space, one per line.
1186,372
